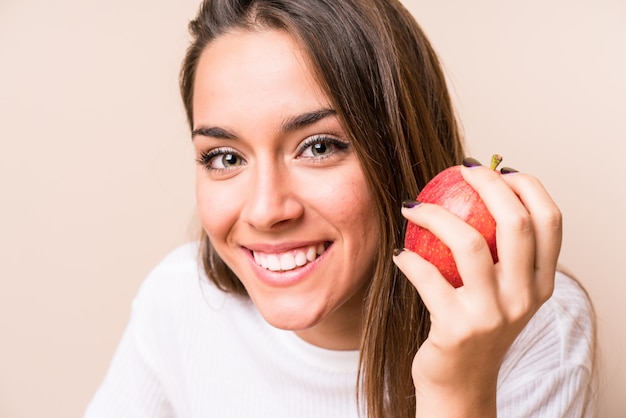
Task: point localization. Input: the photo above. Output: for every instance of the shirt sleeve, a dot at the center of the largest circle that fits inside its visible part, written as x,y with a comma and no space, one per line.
548,372
132,386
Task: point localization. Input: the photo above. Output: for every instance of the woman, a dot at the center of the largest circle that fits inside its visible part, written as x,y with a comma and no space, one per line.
312,121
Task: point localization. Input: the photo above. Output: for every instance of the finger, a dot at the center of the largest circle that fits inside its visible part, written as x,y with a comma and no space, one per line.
434,290
548,226
469,248
515,235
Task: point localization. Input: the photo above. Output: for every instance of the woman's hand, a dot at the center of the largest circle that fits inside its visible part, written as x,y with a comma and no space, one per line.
455,371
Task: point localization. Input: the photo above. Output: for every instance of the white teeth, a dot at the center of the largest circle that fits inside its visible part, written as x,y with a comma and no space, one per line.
311,254
273,263
300,259
289,260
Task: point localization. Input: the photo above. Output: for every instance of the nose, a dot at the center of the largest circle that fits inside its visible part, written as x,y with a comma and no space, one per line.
272,201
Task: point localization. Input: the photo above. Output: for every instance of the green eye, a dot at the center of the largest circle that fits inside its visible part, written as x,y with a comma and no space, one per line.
321,149
227,160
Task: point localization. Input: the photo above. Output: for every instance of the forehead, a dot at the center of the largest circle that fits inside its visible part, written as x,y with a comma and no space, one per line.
242,68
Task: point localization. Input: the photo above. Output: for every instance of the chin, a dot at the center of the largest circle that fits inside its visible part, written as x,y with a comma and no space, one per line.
294,317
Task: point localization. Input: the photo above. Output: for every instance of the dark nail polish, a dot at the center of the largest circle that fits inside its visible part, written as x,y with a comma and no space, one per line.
471,162
508,170
410,204
397,251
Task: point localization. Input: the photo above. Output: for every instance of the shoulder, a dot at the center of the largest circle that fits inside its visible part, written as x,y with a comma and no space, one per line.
180,260
550,366
562,332
178,307
179,268
177,285
569,298
572,317
176,271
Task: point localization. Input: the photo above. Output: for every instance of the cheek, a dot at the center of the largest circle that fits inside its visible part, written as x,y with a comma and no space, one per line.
362,217
353,209
217,206
357,202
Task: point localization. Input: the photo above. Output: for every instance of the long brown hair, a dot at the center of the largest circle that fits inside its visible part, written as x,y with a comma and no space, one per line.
384,80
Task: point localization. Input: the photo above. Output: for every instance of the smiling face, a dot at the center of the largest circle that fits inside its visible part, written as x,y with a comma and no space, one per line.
281,194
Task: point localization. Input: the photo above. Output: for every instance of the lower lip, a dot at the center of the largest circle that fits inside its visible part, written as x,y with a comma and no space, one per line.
289,277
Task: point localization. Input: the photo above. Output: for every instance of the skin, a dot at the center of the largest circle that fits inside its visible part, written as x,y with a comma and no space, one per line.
271,191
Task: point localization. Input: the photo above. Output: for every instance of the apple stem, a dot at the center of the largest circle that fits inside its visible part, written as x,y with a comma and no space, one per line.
496,159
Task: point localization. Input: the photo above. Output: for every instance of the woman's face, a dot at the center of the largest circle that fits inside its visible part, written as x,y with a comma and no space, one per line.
281,194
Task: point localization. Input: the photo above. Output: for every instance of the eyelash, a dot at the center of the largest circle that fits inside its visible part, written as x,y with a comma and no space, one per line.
206,158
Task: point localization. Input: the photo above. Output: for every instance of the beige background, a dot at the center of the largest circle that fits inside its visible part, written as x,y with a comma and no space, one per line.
96,170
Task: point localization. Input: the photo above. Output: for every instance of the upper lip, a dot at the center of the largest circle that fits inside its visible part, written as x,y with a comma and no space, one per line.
275,248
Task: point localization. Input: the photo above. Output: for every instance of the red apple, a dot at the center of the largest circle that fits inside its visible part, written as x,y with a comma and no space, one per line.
450,190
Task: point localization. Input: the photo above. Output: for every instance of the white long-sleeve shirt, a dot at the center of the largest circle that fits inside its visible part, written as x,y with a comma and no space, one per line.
191,350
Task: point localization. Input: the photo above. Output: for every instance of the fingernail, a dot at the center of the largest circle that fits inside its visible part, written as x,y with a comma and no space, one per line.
397,251
471,162
409,204
508,170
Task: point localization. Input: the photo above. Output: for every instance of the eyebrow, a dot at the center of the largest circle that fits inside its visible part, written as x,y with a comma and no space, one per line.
214,132
306,119
289,125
